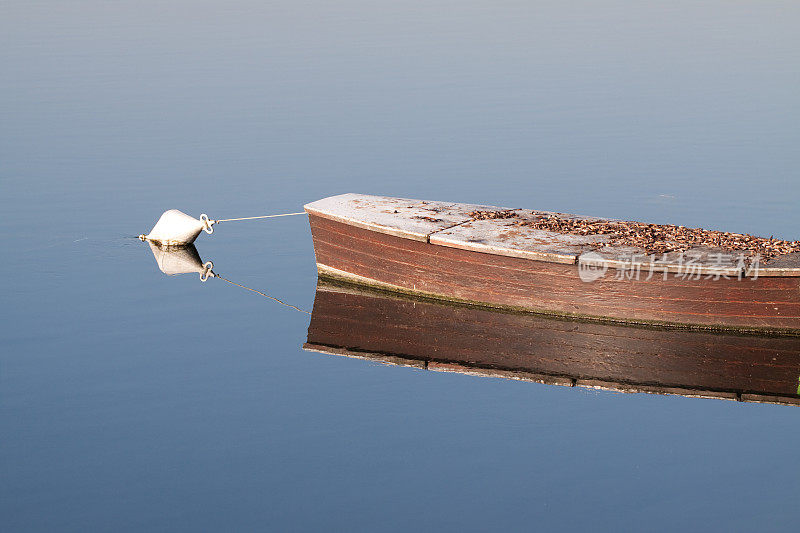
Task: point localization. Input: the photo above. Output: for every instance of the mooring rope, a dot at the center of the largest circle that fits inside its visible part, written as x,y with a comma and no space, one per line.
262,294
208,223
207,227
263,216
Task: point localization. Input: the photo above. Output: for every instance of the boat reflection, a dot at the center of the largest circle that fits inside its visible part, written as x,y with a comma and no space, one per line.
353,321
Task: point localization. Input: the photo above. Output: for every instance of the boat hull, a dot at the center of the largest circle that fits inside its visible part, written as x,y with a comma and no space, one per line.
760,305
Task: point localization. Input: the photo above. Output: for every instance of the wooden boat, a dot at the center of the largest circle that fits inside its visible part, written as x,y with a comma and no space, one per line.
444,251
356,321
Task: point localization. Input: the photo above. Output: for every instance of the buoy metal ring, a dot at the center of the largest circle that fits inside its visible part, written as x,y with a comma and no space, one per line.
207,273
207,224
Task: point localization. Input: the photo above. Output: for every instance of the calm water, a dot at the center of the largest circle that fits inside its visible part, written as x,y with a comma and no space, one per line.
134,401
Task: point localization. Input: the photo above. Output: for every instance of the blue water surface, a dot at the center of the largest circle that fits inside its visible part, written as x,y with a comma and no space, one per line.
133,401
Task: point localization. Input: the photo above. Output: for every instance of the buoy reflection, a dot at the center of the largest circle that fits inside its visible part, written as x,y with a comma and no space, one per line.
175,260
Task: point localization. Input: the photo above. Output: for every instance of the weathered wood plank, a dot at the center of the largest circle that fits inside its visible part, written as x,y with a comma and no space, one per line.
412,219
616,386
782,266
702,261
518,375
507,237
370,356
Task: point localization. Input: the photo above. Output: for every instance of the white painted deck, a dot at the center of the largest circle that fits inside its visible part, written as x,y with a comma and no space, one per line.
403,217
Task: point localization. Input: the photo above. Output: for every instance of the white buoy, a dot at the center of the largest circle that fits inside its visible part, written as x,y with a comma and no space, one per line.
176,228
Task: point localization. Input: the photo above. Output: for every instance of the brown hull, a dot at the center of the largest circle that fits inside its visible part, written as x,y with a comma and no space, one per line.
765,304
353,321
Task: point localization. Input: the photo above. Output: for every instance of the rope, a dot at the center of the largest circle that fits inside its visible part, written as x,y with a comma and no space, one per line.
209,223
264,216
262,294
